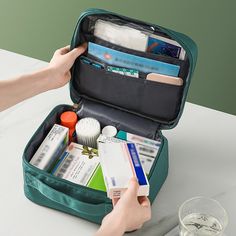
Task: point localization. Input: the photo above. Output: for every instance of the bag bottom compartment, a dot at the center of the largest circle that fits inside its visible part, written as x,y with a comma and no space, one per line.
47,190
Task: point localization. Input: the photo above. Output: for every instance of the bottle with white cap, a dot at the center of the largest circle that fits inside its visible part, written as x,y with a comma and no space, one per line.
109,131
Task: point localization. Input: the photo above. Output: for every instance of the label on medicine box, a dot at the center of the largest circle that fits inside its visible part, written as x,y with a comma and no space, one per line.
120,162
147,148
51,148
81,165
105,139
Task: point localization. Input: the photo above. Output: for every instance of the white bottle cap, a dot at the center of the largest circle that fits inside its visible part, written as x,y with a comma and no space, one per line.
87,130
109,131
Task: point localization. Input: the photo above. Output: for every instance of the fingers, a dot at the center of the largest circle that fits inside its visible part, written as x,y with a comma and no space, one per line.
133,188
73,53
146,207
68,76
114,201
78,51
147,214
131,192
144,201
141,199
62,51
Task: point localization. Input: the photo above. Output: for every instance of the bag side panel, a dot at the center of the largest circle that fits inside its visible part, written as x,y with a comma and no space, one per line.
160,171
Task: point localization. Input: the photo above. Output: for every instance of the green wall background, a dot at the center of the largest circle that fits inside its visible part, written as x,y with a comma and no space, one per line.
37,28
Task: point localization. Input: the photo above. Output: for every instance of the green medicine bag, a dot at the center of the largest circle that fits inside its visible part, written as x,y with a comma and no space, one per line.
135,105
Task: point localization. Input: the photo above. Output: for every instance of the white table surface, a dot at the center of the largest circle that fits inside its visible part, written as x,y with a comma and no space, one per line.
202,155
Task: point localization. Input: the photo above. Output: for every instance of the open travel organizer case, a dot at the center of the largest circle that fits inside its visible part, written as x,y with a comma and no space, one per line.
135,105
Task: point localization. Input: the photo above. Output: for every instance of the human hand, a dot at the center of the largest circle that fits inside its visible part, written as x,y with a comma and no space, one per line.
130,212
61,63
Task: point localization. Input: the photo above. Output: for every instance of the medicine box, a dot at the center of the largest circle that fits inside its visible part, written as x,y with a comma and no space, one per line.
51,147
81,165
120,162
147,148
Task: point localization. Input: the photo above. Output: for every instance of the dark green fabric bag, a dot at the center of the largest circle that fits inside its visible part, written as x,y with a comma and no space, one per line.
134,105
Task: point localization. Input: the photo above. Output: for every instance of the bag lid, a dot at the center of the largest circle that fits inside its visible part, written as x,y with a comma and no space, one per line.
91,80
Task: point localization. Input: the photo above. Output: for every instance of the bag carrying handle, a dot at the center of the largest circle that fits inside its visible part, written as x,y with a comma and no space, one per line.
65,200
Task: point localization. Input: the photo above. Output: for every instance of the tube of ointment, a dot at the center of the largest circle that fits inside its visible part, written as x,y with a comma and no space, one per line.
120,162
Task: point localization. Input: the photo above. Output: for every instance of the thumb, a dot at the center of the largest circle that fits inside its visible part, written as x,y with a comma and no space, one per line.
144,201
77,51
133,187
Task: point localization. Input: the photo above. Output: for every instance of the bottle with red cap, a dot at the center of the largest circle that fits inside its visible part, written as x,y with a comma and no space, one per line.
69,120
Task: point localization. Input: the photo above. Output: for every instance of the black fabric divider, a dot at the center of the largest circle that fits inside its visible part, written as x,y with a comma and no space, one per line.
152,99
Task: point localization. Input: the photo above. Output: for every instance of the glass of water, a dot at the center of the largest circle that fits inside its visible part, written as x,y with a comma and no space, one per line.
202,216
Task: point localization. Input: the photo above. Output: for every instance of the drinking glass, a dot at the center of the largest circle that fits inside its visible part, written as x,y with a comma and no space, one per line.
201,216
